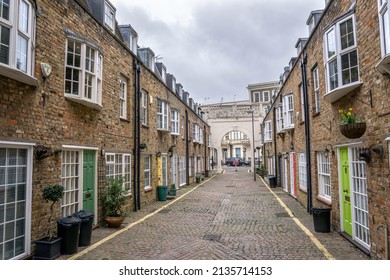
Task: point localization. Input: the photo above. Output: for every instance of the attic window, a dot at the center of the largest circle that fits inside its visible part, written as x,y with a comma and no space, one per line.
109,16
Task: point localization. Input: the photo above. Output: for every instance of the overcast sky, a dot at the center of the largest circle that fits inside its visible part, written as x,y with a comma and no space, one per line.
216,48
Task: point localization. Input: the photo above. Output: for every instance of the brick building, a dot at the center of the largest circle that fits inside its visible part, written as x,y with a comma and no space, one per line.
341,66
80,103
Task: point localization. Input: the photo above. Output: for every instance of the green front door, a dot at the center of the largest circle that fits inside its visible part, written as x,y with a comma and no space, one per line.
345,194
89,181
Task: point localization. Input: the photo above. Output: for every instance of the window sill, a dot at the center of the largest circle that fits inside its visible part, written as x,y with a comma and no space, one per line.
340,92
325,200
315,114
84,102
124,120
163,130
17,75
303,190
145,126
148,189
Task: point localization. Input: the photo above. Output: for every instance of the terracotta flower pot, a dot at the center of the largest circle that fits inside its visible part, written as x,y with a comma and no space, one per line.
114,222
353,130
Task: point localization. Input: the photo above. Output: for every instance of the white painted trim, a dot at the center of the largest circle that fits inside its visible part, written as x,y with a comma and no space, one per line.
348,144
17,143
79,147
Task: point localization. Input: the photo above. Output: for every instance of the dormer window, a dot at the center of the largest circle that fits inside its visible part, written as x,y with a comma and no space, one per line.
147,57
109,16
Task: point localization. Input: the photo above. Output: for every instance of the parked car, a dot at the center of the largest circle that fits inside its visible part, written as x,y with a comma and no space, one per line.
234,161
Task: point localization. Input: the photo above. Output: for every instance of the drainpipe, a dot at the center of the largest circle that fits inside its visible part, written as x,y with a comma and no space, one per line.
205,150
187,151
136,188
275,149
307,134
138,147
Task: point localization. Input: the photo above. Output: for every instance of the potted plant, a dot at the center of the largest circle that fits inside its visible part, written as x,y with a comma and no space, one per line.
350,127
113,201
172,190
49,247
262,171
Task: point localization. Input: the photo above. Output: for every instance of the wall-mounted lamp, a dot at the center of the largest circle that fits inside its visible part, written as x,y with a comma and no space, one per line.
326,150
170,151
102,152
158,154
142,146
292,146
56,152
42,152
364,154
379,150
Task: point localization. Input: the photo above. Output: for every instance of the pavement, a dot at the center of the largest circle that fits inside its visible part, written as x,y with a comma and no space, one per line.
228,216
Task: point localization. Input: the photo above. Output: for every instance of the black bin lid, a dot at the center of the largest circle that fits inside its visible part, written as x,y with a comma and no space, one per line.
70,220
83,215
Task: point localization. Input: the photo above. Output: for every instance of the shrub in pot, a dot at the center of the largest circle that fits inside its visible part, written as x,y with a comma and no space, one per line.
113,201
49,247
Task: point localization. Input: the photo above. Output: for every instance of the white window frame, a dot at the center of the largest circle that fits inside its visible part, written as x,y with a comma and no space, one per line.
384,24
144,107
147,170
16,166
256,97
164,169
268,131
123,98
109,16
266,96
333,54
175,122
200,135
21,28
90,69
279,119
71,180
316,88
288,111
324,179
119,166
182,171
302,172
270,165
162,115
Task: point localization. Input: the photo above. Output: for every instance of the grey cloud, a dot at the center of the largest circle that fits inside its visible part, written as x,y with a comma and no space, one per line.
228,45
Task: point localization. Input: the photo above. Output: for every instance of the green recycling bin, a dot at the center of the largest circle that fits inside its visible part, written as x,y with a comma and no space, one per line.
162,192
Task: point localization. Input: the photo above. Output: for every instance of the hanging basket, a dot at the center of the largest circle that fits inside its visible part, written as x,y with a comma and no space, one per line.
353,130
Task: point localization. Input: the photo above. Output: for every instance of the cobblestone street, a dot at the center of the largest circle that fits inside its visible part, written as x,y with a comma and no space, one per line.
227,217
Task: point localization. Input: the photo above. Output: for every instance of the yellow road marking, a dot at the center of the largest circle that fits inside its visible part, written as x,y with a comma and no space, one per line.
97,244
316,242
